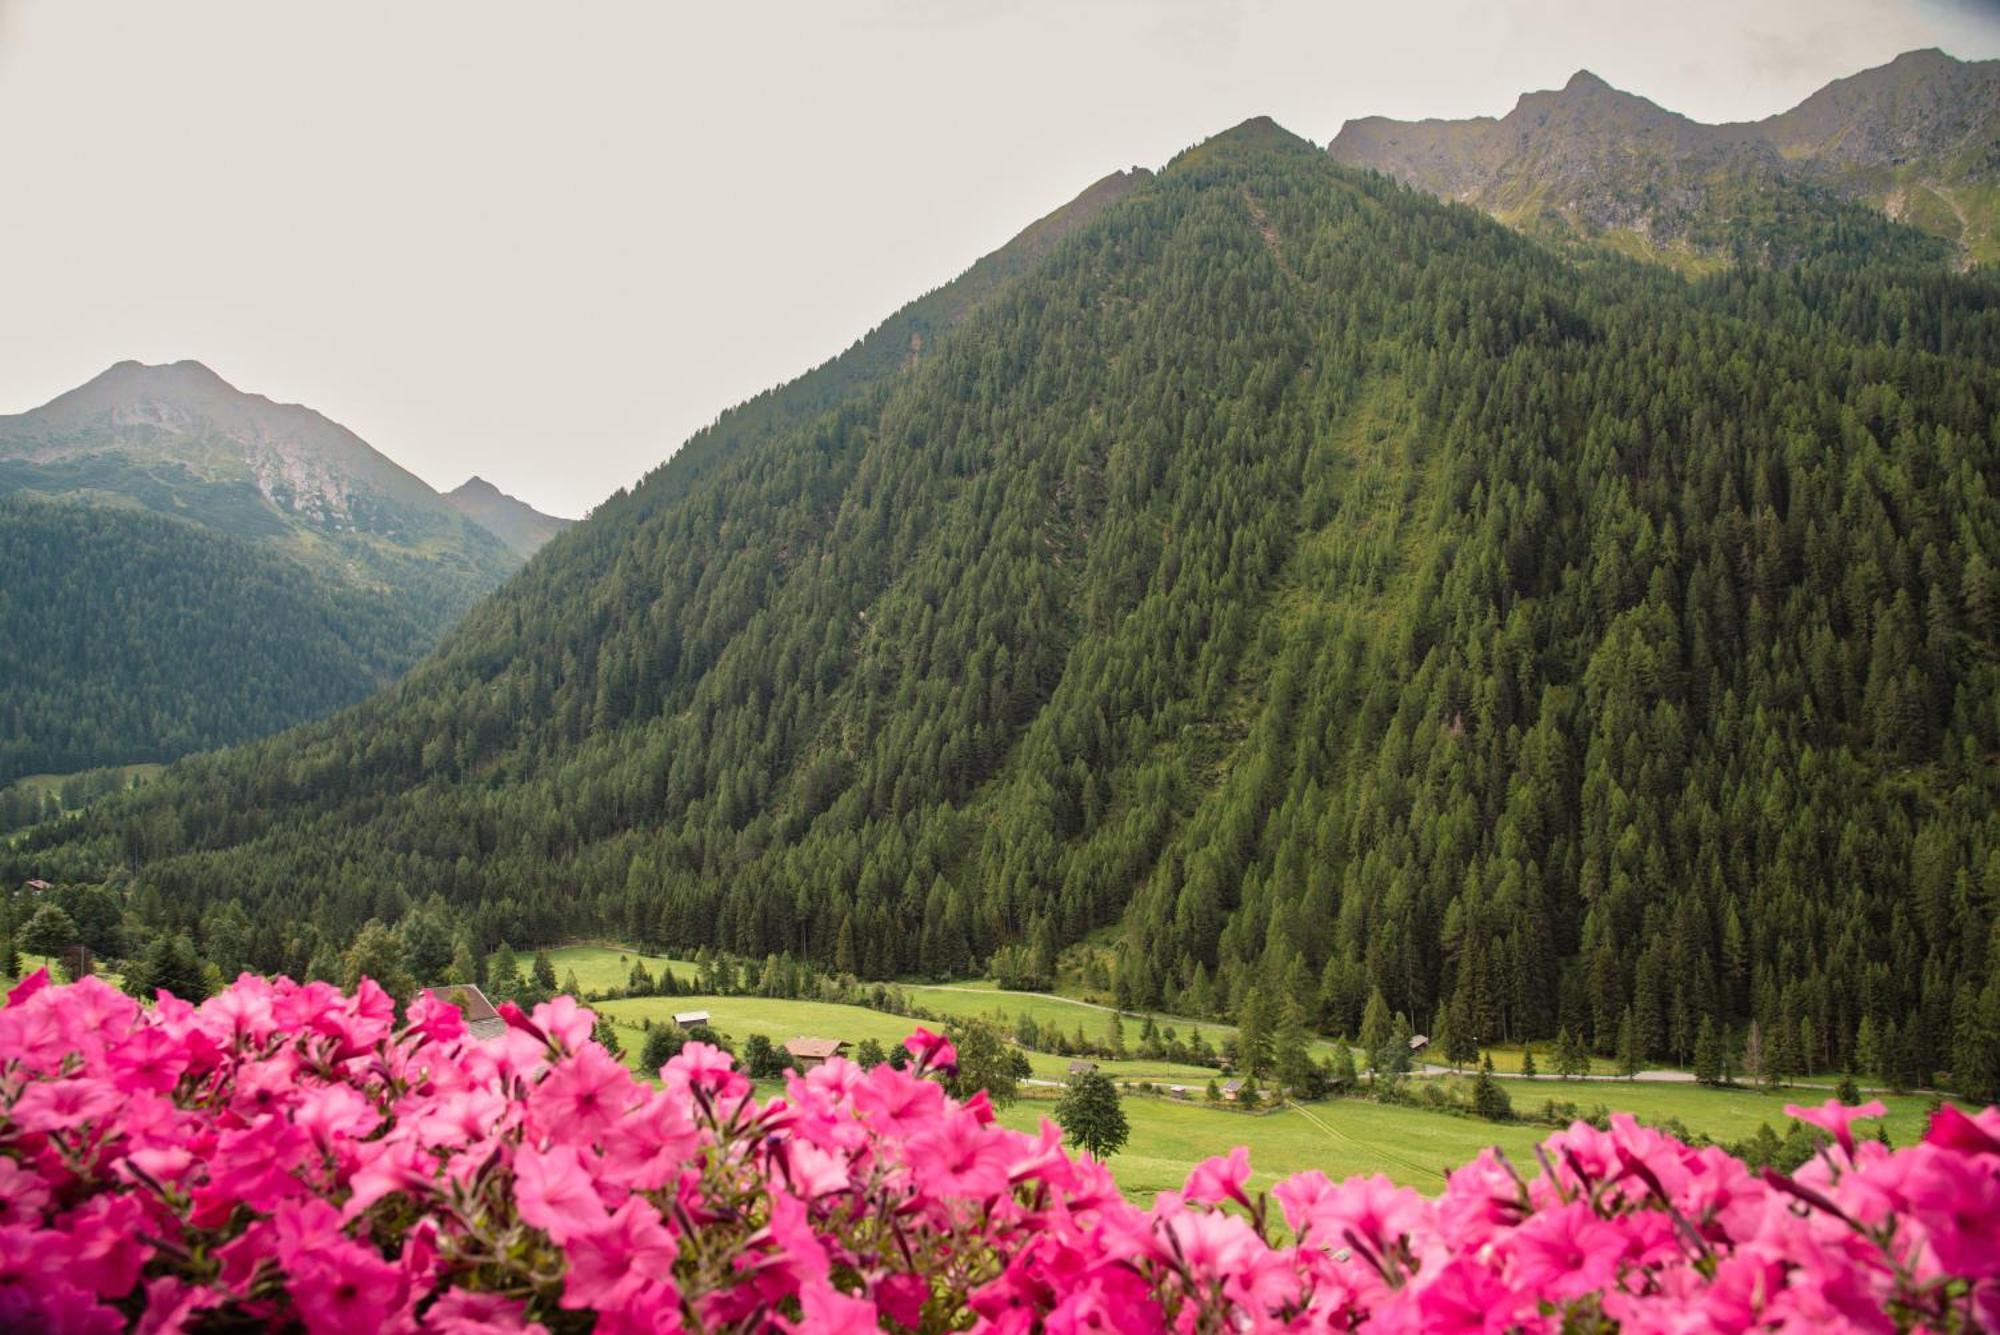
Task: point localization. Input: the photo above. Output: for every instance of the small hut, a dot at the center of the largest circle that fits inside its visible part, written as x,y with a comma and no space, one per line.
810,1052
689,1019
1082,1068
481,1020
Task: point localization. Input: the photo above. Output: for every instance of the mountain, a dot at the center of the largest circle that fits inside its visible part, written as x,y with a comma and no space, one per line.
520,525
1279,585
304,539
1917,140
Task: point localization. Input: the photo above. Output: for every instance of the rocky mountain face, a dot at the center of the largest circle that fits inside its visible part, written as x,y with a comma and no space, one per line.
1917,140
520,525
180,440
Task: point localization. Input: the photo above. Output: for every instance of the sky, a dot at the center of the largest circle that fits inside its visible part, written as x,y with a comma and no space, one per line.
544,243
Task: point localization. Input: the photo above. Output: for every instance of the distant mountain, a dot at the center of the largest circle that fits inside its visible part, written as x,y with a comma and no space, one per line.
1917,140
516,523
326,528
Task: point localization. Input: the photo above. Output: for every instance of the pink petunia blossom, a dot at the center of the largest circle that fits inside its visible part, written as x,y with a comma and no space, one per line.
556,1193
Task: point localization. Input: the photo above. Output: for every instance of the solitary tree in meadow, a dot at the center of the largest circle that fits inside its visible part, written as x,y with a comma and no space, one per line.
1092,1115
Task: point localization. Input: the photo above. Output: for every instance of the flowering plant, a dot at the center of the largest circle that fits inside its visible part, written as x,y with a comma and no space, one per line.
284,1154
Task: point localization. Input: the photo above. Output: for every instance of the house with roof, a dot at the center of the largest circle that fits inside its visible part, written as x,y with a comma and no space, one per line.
811,1052
689,1019
1418,1042
37,887
481,1020
1232,1090
1082,1068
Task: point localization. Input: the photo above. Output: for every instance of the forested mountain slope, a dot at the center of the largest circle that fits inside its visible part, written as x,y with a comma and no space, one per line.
1916,140
124,634
1325,588
317,567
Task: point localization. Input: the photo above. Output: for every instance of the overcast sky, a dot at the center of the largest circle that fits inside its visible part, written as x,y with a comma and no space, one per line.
543,243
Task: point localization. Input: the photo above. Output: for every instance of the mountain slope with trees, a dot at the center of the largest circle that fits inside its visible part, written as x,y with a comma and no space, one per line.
128,636
1314,590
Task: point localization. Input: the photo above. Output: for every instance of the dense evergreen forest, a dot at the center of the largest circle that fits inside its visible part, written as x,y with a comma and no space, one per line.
127,637
1286,581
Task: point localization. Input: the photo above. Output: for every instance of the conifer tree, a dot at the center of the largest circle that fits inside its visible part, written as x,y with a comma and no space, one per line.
503,974
1629,1061
1292,1052
1707,1054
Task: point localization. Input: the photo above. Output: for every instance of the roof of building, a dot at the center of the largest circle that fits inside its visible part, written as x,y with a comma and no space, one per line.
690,1017
1419,1041
1232,1086
811,1049
481,1020
38,885
1082,1067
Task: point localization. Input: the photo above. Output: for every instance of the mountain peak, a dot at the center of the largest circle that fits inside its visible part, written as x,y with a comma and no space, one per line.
520,525
1583,81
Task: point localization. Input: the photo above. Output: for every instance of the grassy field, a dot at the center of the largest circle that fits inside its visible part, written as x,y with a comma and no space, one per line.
607,968
1725,1114
778,1020
1340,1138
144,772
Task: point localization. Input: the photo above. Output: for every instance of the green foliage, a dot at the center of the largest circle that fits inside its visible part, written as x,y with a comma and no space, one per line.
664,1042
171,964
984,1062
1489,1100
377,953
765,1060
1092,1115
49,932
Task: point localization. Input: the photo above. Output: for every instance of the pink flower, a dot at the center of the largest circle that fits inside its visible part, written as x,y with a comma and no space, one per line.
613,1262
959,1157
65,1105
464,1313
566,1022
148,1059
1466,1299
828,1311
554,1192
106,1245
704,1066
1836,1118
437,1020
1220,1179
582,1097
23,1195
1953,1130
933,1052
1565,1252
343,1288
